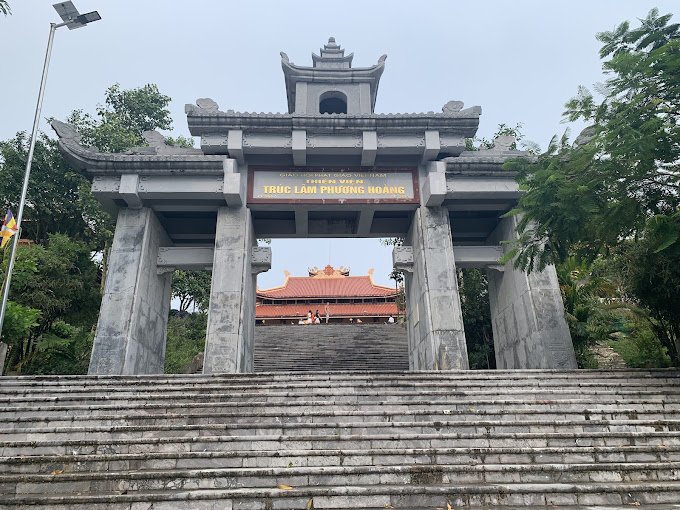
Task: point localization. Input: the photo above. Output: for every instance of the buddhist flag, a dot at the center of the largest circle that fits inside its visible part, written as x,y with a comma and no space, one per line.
9,228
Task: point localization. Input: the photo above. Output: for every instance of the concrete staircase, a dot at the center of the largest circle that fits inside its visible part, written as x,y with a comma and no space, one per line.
297,348
361,440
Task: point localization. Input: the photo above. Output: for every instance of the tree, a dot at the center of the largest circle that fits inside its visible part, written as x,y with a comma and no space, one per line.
60,281
4,7
620,179
474,299
125,115
59,199
191,287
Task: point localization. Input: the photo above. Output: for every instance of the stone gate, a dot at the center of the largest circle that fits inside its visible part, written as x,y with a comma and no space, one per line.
329,167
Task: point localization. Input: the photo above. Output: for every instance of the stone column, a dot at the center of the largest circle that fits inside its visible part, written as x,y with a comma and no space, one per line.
133,318
230,337
527,314
434,320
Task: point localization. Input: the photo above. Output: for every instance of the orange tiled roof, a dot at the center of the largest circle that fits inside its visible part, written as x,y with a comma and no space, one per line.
327,283
335,310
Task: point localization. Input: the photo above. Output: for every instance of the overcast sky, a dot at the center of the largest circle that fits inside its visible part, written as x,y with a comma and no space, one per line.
520,61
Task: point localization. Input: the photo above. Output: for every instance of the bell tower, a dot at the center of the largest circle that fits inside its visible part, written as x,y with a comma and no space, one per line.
331,86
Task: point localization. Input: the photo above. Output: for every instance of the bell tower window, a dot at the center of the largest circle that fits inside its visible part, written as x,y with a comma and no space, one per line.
333,102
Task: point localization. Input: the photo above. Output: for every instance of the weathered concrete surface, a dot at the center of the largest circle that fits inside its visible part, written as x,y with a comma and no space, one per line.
229,342
133,318
435,323
527,314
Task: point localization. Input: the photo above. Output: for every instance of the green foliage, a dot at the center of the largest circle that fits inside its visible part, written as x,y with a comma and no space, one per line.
641,349
191,287
65,349
125,115
475,144
179,141
589,304
59,281
186,338
18,325
474,297
651,279
59,199
621,178
65,284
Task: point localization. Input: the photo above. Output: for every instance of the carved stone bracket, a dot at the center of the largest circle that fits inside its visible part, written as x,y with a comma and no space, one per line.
402,258
261,259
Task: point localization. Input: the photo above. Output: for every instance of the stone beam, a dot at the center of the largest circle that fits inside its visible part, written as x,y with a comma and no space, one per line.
299,145
477,256
488,188
185,258
365,222
128,190
433,190
301,222
235,145
234,188
432,146
370,148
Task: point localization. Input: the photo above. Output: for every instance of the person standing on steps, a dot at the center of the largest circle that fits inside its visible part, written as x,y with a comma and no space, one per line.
327,311
309,317
317,319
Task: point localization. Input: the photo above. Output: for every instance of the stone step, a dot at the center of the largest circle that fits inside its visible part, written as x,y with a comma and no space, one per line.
343,440
25,416
210,440
216,478
639,376
330,347
235,425
368,497
470,388
178,459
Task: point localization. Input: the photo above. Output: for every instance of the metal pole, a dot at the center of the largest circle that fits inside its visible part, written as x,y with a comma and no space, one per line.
22,202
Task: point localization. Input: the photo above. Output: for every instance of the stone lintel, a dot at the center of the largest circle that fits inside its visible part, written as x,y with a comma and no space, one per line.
369,148
299,146
260,259
460,187
477,256
214,143
185,258
402,258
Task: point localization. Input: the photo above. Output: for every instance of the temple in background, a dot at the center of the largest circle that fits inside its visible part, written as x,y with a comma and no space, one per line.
349,298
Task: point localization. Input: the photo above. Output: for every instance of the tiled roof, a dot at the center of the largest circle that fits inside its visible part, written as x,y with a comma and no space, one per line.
309,287
335,310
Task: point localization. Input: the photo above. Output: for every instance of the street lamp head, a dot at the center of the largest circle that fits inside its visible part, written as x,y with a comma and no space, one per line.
72,18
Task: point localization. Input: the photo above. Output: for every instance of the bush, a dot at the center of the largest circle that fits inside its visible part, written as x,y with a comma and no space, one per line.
642,350
186,338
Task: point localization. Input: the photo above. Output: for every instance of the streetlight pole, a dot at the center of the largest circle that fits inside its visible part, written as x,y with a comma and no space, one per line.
72,19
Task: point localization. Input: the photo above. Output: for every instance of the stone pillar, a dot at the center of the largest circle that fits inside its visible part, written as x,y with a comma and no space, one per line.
133,318
527,314
230,337
434,319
